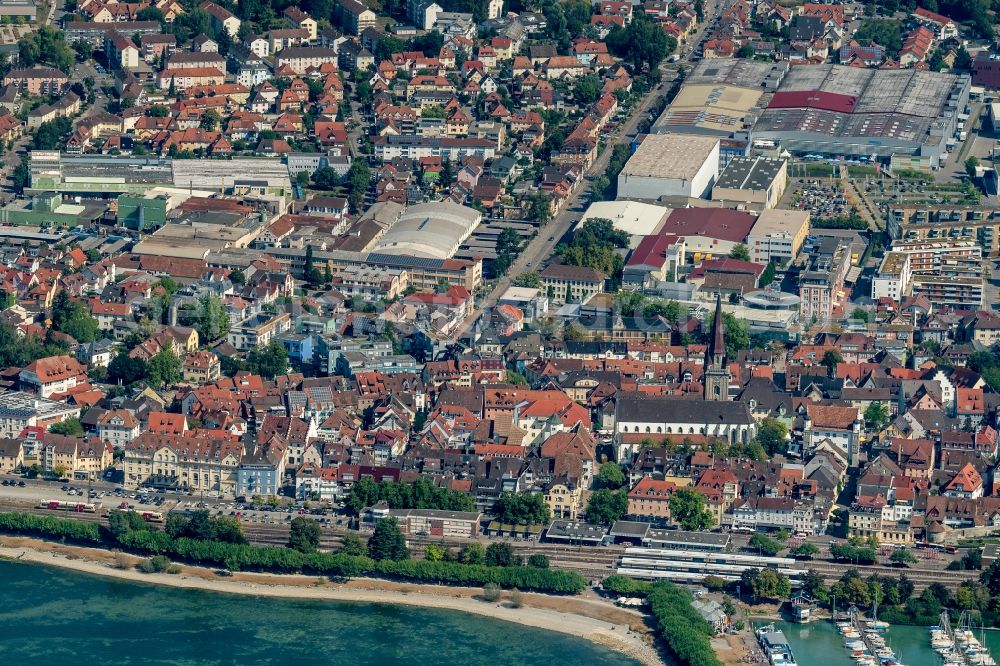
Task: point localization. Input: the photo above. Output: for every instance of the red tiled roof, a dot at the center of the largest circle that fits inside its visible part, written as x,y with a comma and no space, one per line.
652,250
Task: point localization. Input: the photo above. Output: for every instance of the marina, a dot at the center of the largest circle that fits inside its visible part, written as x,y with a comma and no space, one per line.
820,642
866,642
960,647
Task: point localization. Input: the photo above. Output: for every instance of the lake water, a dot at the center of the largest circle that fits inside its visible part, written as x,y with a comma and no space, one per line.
820,643
52,616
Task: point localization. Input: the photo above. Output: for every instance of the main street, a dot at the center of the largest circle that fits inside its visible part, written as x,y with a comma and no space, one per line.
549,235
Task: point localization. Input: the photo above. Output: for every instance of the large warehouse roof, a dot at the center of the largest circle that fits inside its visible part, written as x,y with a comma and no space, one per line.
677,156
738,72
721,223
433,230
708,108
633,217
907,91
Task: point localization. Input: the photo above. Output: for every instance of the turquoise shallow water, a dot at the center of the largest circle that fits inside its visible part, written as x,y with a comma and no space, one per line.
52,616
819,644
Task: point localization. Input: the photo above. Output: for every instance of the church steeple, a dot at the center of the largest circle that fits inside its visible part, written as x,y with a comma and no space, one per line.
716,376
717,343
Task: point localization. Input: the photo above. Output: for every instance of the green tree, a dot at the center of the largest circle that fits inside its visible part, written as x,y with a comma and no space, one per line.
740,252
767,277
164,369
268,361
587,89
212,319
210,120
538,561
325,178
539,208
606,506
21,175
687,507
125,370
610,476
304,535
73,319
766,583
876,415
500,554
150,14
642,42
472,553
971,166
529,279
71,427
521,508
902,557
765,544
491,592
364,493
862,314
804,551
357,180
963,61
351,544
884,32
831,357
46,45
387,542
84,50
772,434
508,247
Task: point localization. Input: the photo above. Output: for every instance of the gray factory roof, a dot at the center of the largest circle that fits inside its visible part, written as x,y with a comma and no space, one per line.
738,72
670,156
905,91
749,173
430,230
896,126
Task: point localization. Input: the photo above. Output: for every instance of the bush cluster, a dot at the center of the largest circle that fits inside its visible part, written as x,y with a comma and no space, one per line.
680,626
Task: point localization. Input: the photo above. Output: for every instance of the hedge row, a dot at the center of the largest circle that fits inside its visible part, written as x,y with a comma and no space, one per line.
681,627
51,528
242,557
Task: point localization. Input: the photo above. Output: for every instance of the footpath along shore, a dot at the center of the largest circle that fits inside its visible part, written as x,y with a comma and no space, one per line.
616,628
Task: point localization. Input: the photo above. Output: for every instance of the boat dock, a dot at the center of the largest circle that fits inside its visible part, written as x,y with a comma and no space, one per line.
959,647
864,641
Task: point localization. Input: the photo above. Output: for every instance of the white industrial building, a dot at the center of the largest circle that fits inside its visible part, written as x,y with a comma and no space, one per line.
670,165
635,218
431,230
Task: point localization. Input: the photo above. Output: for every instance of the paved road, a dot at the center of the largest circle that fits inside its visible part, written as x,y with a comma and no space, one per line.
549,235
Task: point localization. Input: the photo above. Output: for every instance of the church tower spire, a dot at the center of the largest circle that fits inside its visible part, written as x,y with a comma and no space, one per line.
717,377
717,343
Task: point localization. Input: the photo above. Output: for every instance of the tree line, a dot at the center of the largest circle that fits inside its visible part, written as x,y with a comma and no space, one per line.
134,535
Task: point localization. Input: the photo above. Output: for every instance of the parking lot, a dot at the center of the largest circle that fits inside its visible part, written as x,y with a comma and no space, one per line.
107,496
822,198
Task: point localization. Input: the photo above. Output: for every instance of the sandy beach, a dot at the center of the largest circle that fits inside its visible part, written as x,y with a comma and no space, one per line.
619,629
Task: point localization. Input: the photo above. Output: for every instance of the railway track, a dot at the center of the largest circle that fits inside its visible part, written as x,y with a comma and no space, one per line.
587,560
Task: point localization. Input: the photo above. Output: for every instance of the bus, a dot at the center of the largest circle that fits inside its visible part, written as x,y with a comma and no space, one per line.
941,548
